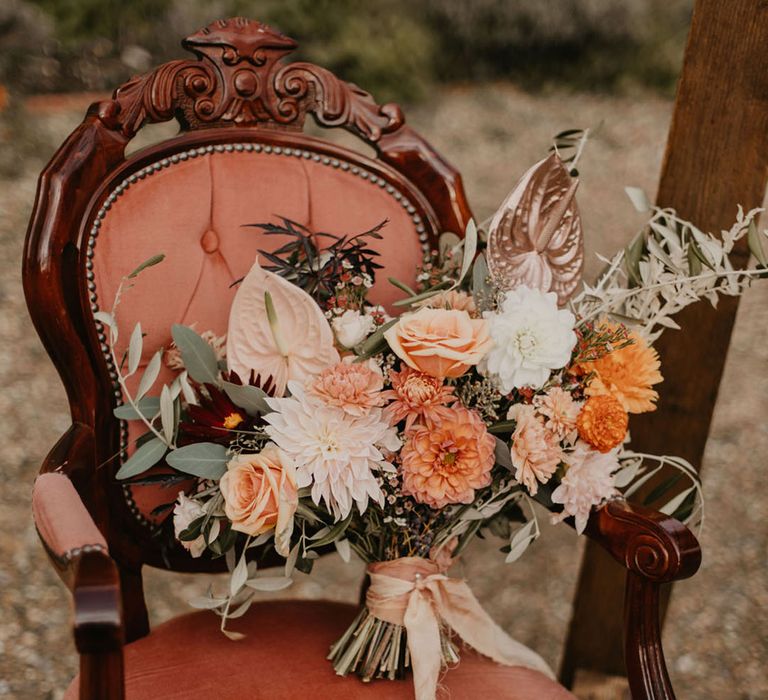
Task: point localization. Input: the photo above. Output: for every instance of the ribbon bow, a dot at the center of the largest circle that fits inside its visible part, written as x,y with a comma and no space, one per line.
416,593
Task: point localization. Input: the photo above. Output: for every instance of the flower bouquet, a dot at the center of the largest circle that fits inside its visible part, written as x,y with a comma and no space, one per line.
323,421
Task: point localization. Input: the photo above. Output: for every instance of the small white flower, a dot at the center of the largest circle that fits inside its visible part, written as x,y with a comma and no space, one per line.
352,328
185,512
531,337
587,483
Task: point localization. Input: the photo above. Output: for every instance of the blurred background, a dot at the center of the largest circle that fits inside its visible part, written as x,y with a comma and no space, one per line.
489,82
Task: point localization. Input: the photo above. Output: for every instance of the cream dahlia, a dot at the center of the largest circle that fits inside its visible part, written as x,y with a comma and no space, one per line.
336,453
587,483
445,462
415,395
531,337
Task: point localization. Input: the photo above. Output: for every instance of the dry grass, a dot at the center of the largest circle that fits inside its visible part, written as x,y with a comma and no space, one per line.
714,638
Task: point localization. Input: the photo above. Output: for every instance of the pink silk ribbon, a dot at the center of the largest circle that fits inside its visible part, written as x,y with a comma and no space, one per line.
416,593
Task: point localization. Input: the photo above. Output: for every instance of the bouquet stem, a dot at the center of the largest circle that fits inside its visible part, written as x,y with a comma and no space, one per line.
372,648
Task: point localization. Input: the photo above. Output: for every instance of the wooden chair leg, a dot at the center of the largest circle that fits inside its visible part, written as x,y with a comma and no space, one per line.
643,654
101,676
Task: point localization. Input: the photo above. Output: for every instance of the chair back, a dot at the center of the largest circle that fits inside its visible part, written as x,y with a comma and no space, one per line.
241,157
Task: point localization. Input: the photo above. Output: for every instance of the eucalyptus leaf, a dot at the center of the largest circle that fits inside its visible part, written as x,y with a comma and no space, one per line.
150,375
167,414
250,398
269,583
241,609
638,198
375,342
671,506
239,576
344,550
445,243
206,603
146,456
107,319
290,561
234,636
198,356
149,262
334,532
469,250
520,541
135,346
756,245
148,408
481,290
206,460
503,455
401,286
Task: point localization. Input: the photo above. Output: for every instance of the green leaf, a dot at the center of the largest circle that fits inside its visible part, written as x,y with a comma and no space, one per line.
503,455
468,251
135,347
502,427
150,375
167,414
694,264
401,286
198,356
676,502
269,583
239,576
148,407
481,290
424,295
333,533
632,255
756,245
638,198
520,541
250,398
445,243
204,459
375,342
108,320
146,456
147,263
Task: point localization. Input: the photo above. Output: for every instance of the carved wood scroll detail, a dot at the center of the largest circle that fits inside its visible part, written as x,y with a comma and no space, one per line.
239,79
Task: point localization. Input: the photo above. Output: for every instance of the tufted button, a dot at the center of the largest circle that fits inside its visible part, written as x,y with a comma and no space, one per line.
210,241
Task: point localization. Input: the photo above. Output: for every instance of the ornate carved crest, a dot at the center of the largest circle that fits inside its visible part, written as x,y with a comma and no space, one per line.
239,79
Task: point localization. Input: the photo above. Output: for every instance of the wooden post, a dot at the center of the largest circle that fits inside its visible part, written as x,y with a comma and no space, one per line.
716,158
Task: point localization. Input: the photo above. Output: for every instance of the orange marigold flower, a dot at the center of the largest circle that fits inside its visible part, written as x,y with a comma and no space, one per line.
627,374
602,423
445,462
416,395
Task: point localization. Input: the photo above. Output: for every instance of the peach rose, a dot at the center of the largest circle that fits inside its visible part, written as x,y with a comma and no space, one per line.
260,494
439,342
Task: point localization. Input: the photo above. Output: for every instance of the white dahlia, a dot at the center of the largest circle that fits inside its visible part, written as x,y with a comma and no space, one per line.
587,483
531,337
335,453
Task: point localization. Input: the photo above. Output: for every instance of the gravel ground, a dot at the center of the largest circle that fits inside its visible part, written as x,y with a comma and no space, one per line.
714,638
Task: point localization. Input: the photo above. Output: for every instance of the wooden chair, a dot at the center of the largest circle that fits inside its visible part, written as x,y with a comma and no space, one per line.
241,157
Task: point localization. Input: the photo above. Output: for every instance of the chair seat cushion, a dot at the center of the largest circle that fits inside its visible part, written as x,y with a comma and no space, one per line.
283,658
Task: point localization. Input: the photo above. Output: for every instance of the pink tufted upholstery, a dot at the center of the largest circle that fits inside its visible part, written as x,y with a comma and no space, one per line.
194,212
61,518
283,658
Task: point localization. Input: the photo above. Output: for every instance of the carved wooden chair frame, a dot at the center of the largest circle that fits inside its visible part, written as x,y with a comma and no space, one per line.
237,93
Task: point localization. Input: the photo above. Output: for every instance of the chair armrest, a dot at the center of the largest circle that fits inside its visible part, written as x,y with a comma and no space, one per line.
649,544
80,555
655,549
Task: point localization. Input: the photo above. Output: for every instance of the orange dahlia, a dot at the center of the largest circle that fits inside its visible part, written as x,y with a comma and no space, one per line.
443,463
416,395
602,422
627,374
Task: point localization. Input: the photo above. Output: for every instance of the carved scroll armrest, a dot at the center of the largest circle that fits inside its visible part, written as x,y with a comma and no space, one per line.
655,549
649,544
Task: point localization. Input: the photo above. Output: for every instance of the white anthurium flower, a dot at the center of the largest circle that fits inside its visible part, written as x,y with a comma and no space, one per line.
531,338
185,512
352,328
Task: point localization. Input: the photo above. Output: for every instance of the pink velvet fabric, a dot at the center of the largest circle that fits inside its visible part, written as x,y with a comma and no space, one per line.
194,212
60,516
283,658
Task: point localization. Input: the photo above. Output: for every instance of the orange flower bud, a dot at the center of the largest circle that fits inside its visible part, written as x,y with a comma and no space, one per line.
602,422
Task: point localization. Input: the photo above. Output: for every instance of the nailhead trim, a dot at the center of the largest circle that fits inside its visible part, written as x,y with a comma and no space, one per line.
180,158
70,554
